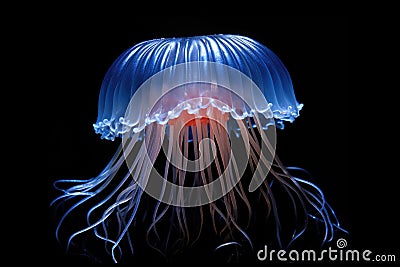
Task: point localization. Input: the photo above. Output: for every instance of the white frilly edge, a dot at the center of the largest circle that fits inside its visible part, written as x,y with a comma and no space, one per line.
112,128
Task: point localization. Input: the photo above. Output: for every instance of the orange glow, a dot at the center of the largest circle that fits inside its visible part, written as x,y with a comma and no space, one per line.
202,117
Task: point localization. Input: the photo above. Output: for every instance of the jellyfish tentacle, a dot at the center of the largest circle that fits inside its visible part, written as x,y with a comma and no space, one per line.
289,186
262,160
328,216
318,202
94,182
221,140
230,201
180,211
143,175
196,182
132,187
156,218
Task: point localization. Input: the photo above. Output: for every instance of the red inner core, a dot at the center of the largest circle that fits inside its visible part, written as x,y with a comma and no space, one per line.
201,117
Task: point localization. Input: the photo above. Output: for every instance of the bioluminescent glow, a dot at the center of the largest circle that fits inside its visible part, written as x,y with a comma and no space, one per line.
197,119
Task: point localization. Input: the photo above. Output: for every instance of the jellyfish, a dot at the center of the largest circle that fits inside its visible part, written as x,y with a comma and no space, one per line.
196,119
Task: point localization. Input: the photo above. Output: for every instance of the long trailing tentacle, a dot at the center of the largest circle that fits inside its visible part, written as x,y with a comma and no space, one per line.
316,196
124,206
303,194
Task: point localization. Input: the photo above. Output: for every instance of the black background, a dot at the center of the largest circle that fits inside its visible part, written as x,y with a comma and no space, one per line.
314,50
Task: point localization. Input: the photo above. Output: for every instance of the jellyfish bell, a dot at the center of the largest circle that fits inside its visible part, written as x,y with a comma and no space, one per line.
136,65
208,106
